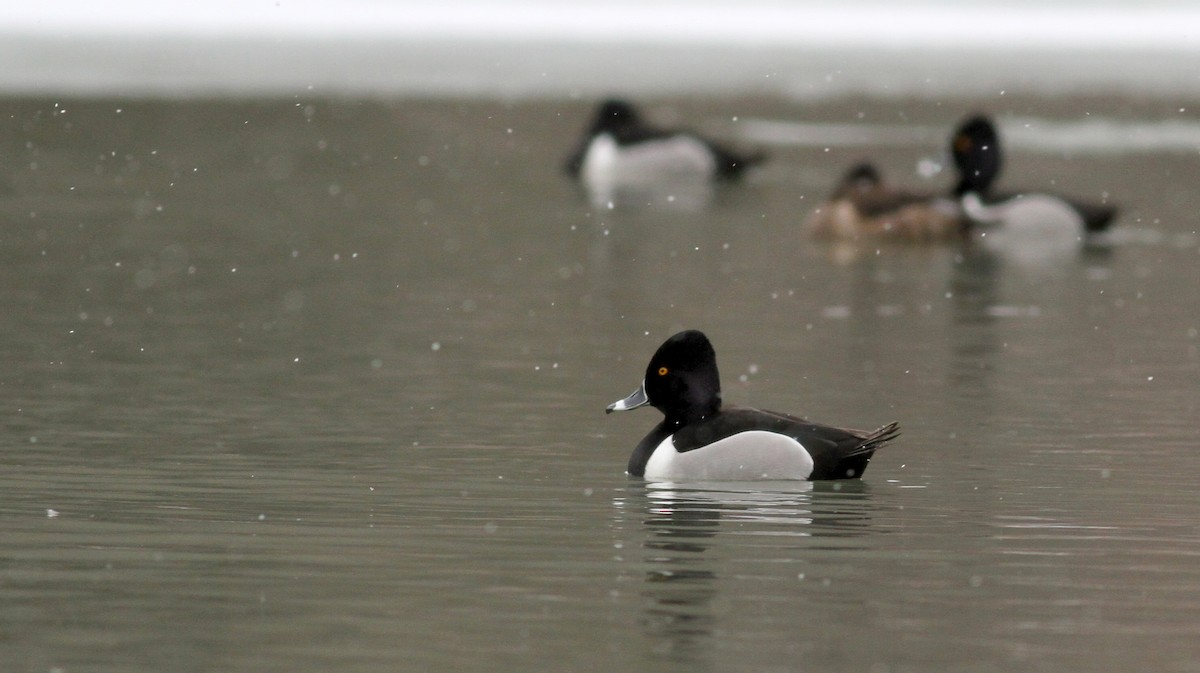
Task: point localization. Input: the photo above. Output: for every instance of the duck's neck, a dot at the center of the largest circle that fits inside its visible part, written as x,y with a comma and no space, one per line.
692,414
977,179
971,183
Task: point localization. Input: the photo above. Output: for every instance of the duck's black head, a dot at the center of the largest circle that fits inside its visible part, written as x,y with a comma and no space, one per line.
861,177
863,173
976,149
681,380
614,115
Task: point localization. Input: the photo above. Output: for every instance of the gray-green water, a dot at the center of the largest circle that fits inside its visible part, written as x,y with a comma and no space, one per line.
311,385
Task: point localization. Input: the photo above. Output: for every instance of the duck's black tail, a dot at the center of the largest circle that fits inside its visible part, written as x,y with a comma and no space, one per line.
876,439
731,165
853,462
1098,218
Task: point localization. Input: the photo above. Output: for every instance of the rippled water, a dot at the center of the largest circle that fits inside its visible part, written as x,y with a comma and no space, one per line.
314,385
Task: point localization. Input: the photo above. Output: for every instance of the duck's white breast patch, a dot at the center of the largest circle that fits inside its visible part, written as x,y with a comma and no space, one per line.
755,454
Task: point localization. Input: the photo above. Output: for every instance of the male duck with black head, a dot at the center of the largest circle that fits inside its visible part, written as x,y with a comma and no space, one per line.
619,146
701,439
1028,216
864,206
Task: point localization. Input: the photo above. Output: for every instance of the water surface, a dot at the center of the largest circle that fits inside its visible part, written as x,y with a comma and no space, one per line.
305,384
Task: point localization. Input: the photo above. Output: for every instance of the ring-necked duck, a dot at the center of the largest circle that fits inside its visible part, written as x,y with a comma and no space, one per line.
976,150
619,146
864,206
701,440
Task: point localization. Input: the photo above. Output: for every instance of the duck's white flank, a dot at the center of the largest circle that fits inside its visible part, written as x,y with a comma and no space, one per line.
673,156
754,454
1034,212
1032,227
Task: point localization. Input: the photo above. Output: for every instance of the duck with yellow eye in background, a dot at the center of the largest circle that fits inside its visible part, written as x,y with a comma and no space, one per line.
864,206
1022,218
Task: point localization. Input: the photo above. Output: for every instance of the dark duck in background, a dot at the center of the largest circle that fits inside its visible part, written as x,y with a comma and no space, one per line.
620,151
1029,219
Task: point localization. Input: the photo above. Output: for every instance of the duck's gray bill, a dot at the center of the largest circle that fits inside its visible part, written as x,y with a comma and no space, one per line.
637,399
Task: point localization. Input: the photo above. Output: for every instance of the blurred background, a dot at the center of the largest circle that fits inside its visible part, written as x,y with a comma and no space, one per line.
306,337
796,48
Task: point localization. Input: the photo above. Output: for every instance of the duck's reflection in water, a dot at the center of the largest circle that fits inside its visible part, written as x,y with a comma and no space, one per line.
673,194
680,525
679,585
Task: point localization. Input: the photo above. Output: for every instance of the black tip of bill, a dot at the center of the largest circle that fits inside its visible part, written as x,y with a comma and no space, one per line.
637,399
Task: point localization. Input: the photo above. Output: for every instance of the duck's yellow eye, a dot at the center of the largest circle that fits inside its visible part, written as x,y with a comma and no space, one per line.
662,371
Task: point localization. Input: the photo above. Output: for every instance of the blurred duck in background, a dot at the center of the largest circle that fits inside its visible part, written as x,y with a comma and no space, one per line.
620,150
863,205
1035,220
